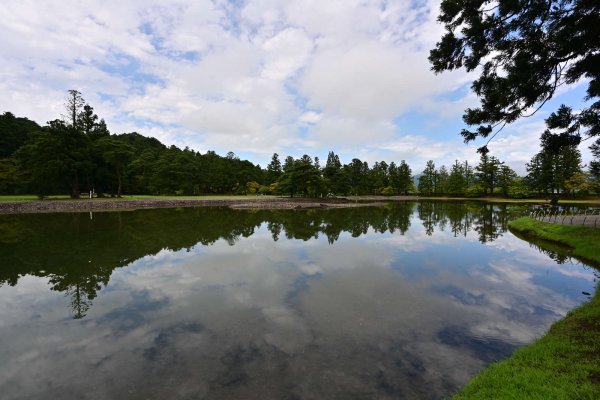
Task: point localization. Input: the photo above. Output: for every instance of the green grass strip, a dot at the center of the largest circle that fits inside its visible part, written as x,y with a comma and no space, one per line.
129,197
583,242
565,362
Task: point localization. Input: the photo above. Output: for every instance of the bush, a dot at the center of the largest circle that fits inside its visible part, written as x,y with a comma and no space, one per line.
475,190
386,191
518,189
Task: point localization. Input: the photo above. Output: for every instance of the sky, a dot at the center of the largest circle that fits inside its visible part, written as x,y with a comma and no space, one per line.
256,77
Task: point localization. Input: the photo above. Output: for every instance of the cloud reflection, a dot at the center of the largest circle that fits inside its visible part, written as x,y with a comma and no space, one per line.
405,314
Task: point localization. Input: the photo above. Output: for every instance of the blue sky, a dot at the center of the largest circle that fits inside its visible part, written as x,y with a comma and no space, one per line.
255,77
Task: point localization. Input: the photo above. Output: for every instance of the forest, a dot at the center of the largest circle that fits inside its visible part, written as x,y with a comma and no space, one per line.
78,154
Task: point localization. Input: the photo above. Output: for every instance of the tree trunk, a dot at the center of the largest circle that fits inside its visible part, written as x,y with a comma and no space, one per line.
75,187
119,185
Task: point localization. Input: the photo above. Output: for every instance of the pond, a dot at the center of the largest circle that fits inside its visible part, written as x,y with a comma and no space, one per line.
407,300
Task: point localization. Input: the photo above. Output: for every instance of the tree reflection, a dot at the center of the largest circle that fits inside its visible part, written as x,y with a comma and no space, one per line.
79,254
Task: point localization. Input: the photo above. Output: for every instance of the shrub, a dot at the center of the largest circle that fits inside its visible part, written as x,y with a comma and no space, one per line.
475,190
386,191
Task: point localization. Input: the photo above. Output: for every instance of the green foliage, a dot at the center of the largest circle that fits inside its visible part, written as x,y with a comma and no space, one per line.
518,189
301,177
61,157
523,51
55,159
387,191
488,171
582,184
475,190
117,155
274,170
457,181
427,180
506,176
357,178
377,177
9,177
595,164
253,187
73,105
441,182
402,182
14,133
549,169
335,179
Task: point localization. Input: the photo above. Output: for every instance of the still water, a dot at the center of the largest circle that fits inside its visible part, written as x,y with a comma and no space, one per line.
402,301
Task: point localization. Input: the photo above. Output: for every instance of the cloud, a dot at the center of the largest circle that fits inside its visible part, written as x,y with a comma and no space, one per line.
371,80
259,77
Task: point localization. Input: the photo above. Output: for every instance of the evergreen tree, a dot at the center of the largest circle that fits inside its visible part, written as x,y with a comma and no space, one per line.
457,182
14,133
548,170
73,104
469,174
506,176
487,172
118,155
87,119
524,50
289,163
405,178
357,172
441,184
595,164
302,177
56,158
427,180
274,170
334,179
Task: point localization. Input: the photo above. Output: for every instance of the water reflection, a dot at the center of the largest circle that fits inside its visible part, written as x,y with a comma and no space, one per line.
401,301
79,254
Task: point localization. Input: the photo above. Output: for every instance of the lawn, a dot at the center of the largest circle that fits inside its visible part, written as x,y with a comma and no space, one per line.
28,197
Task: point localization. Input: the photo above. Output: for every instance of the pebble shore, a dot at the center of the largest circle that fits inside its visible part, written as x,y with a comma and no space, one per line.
83,205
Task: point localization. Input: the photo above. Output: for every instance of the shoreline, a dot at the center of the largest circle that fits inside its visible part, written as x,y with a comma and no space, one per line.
242,202
565,361
85,205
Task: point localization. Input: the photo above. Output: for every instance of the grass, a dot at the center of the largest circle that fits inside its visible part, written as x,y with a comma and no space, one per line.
217,197
508,200
128,197
29,197
565,362
584,242
210,197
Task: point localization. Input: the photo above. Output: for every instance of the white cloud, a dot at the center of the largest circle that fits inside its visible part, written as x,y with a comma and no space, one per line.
286,53
310,117
260,77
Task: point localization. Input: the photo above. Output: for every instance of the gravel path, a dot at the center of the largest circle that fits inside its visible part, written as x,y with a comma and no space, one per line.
581,220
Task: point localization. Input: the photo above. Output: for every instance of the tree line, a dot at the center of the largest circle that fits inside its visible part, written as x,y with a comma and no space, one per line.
77,153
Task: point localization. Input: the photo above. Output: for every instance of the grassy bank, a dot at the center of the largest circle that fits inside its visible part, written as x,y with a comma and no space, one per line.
31,197
590,201
565,362
583,242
